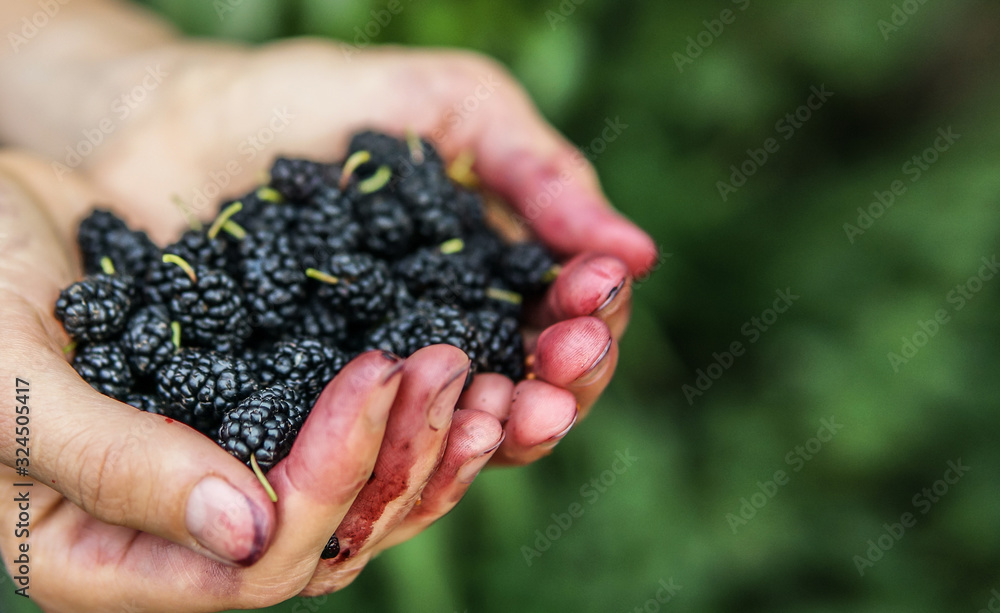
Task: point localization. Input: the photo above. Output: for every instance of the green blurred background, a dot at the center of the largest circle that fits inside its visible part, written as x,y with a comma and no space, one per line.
670,516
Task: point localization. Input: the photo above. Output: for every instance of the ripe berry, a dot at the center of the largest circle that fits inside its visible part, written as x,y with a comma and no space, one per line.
272,279
388,227
528,267
145,402
502,348
210,308
96,308
443,276
357,285
103,234
198,387
148,340
320,321
324,227
428,324
105,367
263,425
297,180
304,364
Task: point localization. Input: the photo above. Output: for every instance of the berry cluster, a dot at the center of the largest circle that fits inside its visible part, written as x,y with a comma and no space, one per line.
236,329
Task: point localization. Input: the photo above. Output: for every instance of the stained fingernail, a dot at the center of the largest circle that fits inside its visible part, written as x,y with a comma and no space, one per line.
443,405
225,522
392,372
553,440
468,472
596,369
612,294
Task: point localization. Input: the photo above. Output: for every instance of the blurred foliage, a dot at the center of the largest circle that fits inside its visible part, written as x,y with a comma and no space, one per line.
826,357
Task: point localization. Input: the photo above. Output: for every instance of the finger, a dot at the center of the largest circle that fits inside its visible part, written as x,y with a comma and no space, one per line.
578,355
412,449
81,565
474,438
490,393
541,415
589,284
331,460
548,181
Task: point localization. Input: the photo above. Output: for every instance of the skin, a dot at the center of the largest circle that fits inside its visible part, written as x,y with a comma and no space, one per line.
109,514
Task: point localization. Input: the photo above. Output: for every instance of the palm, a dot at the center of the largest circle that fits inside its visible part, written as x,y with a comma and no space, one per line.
214,123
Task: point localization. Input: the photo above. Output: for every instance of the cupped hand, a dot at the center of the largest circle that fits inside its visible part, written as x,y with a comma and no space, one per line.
131,509
219,114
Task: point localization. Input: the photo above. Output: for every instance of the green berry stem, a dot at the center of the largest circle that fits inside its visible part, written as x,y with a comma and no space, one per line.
175,327
321,276
455,245
377,181
170,258
107,266
351,164
223,217
413,142
269,194
551,274
460,170
505,295
187,213
234,229
263,480
69,348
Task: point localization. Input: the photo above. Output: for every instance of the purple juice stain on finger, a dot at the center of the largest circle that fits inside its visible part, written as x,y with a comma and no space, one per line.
384,487
155,559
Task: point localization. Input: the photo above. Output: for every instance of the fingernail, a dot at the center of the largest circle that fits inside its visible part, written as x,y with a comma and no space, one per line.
615,291
392,372
468,472
443,405
552,441
392,357
225,522
594,372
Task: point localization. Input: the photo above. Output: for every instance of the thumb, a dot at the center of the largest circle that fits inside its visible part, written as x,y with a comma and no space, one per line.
127,467
121,465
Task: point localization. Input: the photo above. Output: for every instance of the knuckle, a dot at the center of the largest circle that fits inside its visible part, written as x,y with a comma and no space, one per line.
103,485
277,588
